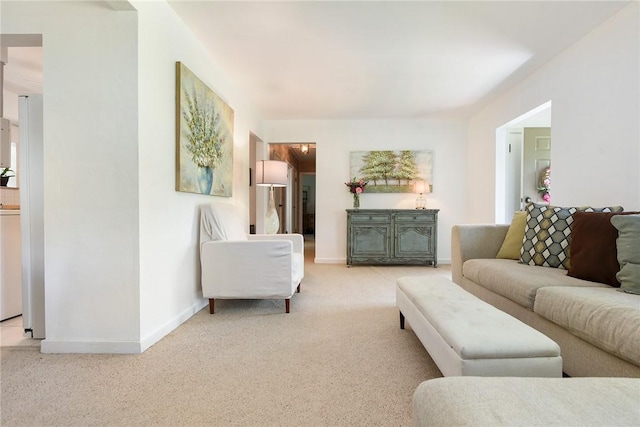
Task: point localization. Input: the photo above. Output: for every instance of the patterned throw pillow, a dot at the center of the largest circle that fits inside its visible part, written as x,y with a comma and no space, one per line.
547,234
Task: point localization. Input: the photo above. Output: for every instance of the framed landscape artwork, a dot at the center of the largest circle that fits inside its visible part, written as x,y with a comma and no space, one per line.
391,171
204,138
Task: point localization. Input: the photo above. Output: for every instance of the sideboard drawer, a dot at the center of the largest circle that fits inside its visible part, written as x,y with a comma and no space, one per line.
415,216
369,217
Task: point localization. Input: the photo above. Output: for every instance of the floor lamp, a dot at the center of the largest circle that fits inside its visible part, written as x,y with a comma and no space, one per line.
271,173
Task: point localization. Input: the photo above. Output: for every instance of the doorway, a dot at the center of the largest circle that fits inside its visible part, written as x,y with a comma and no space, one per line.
309,205
519,164
290,200
22,103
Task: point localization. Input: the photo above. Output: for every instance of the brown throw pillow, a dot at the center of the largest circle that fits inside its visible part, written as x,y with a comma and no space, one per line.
593,247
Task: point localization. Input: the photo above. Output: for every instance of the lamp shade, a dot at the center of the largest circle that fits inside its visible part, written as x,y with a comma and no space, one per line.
271,172
421,187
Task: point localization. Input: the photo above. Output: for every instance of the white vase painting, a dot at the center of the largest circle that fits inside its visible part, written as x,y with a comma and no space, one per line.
204,137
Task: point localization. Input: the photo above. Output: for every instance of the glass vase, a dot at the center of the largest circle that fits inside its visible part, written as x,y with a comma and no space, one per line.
356,201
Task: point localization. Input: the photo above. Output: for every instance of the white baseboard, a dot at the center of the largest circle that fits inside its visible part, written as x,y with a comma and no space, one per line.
122,347
112,347
330,260
172,324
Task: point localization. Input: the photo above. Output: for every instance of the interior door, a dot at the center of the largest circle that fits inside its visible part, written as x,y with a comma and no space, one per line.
513,173
537,157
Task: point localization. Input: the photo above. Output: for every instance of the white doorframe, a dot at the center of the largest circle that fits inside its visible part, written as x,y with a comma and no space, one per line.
538,117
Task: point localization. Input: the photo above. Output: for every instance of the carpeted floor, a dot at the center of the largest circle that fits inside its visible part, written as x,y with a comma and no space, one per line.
338,359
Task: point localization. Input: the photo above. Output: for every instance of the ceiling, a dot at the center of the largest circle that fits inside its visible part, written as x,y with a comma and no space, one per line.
388,59
363,60
23,71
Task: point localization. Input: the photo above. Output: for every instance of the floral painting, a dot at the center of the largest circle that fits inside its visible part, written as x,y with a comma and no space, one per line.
391,171
204,137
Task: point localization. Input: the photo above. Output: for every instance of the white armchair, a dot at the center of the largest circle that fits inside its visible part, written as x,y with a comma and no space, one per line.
236,265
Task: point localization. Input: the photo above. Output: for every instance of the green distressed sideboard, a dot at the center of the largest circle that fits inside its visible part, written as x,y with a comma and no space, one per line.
392,236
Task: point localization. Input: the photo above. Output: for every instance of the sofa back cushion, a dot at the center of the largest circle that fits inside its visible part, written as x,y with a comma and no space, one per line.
547,231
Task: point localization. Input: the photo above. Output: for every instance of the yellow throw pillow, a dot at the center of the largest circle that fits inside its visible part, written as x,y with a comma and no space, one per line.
512,244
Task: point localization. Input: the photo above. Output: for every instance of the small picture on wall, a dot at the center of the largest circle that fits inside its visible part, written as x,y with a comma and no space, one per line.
204,138
391,171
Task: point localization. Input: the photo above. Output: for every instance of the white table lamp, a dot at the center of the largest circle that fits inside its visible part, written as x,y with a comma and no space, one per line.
272,173
421,187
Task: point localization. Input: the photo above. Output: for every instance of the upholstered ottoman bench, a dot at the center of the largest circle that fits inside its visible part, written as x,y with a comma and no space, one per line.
466,336
475,401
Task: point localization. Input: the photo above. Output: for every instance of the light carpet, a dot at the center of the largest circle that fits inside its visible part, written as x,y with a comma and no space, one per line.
338,359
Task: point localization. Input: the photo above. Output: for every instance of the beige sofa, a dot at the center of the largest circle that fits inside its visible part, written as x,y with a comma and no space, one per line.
478,401
596,327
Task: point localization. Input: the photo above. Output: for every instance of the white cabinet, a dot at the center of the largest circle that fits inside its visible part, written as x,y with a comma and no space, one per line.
10,264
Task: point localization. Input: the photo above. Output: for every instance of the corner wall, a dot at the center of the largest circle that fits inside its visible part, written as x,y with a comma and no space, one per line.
594,87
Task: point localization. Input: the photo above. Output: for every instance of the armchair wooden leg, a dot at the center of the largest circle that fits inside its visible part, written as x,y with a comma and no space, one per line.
287,304
298,289
211,300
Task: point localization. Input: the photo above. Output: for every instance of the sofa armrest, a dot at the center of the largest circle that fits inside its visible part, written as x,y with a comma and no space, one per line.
471,241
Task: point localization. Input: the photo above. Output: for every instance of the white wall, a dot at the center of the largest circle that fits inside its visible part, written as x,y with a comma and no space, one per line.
594,87
91,171
122,267
169,263
336,139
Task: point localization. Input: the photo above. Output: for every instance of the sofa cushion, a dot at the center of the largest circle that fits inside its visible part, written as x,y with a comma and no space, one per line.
603,317
547,231
516,281
512,243
628,252
593,247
